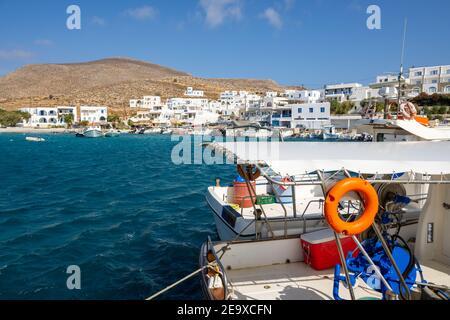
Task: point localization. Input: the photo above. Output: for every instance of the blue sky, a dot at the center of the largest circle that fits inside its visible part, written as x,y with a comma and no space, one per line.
310,42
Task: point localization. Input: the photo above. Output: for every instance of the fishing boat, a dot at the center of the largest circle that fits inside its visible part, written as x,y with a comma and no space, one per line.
153,131
329,133
93,132
35,139
272,196
398,129
112,133
167,131
372,254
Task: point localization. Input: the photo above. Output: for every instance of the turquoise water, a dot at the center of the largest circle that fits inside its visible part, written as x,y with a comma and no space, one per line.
118,208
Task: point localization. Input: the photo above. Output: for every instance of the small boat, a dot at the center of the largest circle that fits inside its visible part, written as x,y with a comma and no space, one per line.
359,257
35,139
93,132
329,133
153,131
112,133
284,196
167,131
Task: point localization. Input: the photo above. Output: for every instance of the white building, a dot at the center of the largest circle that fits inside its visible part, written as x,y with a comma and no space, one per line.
237,103
174,103
151,101
94,114
159,116
305,96
271,94
136,103
190,92
341,92
66,110
430,79
304,115
387,79
146,102
48,116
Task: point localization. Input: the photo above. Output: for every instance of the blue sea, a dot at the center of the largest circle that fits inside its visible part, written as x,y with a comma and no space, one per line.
116,207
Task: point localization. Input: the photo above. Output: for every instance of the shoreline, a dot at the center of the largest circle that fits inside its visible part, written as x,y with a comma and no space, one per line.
34,130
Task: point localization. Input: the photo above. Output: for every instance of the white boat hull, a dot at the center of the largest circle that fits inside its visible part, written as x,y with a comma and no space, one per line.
94,133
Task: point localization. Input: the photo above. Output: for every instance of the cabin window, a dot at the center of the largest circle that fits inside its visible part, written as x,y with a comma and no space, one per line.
311,110
322,110
300,110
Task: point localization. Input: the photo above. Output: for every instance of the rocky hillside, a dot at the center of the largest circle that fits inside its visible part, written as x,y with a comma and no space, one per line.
112,82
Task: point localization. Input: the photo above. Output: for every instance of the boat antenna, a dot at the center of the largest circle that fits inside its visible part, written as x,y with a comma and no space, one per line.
400,76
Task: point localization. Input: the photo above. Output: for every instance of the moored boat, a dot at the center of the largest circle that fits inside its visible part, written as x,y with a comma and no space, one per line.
112,133
93,132
380,256
275,193
35,139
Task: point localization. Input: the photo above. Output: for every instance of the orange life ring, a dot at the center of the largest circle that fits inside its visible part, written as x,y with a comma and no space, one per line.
408,110
370,199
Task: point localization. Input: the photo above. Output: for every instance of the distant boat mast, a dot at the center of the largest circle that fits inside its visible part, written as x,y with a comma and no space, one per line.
400,76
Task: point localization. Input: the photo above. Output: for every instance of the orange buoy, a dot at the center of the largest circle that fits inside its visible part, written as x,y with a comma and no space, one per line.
370,199
242,196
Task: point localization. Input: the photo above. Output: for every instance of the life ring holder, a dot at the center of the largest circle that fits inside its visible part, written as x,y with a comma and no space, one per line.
249,172
369,197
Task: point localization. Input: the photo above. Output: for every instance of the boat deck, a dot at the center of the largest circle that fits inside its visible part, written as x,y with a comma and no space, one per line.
293,281
298,281
276,211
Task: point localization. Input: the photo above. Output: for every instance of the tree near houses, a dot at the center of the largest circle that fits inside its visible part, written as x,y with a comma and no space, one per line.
68,119
114,119
12,118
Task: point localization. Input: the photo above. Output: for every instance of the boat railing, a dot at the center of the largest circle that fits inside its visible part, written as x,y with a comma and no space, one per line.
210,248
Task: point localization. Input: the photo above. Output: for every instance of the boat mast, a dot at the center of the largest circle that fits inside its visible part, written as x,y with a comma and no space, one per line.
400,75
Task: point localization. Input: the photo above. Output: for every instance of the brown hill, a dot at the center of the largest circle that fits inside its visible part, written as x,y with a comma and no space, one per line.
111,82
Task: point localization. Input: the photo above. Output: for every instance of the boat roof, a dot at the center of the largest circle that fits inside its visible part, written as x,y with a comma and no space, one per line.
412,127
298,158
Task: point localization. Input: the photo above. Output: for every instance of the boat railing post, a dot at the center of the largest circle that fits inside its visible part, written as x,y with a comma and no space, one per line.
253,199
277,196
344,265
294,204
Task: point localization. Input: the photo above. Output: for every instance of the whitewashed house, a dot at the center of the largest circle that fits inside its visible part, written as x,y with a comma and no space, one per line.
136,103
174,103
147,102
67,110
341,92
271,94
151,102
44,117
94,114
305,96
190,92
312,116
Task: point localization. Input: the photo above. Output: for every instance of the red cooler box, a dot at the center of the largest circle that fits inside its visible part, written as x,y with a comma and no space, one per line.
320,250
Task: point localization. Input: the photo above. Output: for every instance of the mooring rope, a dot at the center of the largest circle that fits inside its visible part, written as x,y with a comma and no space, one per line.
177,282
